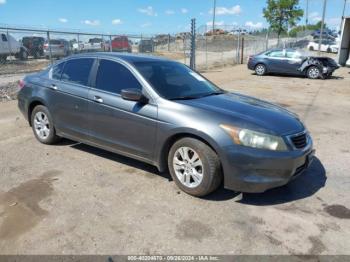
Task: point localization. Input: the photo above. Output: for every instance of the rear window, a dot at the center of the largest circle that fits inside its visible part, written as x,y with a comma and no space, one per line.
77,71
55,42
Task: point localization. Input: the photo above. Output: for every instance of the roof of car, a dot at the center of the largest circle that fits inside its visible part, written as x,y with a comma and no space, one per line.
130,58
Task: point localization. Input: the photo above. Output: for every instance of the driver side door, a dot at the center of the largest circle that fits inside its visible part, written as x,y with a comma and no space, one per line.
117,124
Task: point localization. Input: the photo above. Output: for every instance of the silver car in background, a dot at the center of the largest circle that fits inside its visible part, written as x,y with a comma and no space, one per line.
57,47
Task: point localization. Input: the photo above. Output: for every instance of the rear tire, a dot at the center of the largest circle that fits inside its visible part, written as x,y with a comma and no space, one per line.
42,126
311,48
194,167
260,69
313,72
23,55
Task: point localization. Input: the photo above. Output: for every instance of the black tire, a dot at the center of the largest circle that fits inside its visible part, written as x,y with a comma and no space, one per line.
329,50
51,138
211,170
313,72
23,55
3,58
260,69
311,48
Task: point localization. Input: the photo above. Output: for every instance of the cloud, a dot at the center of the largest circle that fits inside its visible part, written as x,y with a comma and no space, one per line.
234,10
169,12
257,25
314,17
148,24
117,22
184,10
92,22
148,11
2,2
217,23
63,20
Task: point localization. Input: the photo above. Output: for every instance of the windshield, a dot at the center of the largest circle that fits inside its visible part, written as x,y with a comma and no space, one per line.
173,80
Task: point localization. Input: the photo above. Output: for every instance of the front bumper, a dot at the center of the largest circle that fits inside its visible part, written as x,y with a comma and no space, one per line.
254,171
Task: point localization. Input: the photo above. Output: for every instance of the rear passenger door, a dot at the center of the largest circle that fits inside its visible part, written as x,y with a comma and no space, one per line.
277,61
118,124
68,97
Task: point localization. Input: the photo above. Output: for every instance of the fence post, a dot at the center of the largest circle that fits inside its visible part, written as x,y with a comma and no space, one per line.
48,41
267,40
242,50
110,44
238,46
193,44
168,42
78,39
206,47
9,43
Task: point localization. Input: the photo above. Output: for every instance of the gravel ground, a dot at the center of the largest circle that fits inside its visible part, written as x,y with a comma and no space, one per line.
75,199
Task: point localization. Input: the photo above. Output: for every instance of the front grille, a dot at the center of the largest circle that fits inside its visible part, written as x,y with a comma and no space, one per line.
299,141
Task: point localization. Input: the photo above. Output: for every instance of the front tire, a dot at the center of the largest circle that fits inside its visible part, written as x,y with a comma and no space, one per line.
313,72
42,126
260,69
194,167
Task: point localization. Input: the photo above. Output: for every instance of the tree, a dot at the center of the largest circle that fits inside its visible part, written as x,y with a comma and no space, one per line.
282,14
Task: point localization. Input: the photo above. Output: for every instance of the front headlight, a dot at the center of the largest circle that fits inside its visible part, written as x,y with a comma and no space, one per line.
246,137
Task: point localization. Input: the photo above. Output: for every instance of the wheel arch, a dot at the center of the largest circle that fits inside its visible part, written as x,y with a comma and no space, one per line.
31,106
162,158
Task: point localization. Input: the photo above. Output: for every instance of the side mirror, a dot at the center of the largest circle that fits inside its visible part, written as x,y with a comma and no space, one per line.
133,94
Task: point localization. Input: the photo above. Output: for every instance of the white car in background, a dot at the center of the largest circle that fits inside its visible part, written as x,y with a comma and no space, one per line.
326,46
10,46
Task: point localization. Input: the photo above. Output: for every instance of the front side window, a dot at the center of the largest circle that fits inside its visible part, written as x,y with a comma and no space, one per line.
113,77
173,80
77,71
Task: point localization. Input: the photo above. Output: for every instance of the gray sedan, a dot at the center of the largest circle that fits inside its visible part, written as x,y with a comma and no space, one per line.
163,113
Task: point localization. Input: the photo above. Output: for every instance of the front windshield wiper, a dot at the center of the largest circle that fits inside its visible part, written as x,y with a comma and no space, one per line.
197,96
213,94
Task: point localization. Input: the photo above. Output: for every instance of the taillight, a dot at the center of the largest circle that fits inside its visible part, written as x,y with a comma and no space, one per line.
61,45
21,83
46,46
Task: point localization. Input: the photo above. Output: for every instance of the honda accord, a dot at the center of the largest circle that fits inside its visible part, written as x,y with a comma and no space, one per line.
163,113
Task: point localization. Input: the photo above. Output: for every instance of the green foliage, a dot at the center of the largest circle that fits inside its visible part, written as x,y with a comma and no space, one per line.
294,31
282,14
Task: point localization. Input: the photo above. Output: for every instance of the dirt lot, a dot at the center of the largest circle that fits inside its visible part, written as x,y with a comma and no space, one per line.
75,199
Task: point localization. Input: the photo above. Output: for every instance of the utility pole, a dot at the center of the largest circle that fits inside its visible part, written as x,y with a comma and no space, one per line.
322,26
214,13
343,15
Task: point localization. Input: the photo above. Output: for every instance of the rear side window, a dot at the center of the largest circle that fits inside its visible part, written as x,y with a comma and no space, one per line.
77,71
57,71
276,54
113,77
3,37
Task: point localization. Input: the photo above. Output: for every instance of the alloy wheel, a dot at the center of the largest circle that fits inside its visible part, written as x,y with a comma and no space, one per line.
188,167
42,125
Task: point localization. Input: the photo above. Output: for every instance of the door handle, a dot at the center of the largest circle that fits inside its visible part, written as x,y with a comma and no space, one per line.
53,87
98,99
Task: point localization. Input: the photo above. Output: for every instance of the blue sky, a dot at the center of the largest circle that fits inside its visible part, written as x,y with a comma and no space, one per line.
147,16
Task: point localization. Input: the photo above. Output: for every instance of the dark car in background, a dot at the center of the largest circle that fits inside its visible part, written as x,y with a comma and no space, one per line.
121,44
34,45
161,112
146,46
292,62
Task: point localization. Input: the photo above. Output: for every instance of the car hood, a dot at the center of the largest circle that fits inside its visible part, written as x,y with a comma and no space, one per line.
248,112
